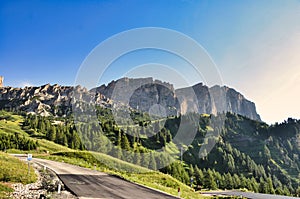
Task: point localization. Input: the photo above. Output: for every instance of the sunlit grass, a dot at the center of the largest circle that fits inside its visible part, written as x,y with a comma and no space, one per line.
137,174
13,170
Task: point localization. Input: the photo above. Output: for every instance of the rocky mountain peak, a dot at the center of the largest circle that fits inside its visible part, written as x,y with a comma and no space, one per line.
143,94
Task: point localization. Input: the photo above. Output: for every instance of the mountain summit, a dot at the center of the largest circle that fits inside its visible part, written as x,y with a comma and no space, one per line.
143,94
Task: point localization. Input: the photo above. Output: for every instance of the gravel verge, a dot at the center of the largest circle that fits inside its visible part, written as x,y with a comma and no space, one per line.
45,187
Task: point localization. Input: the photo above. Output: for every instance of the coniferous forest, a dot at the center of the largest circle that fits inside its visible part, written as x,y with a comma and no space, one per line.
247,154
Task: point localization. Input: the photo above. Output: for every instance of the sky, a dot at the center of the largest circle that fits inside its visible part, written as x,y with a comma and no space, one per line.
253,44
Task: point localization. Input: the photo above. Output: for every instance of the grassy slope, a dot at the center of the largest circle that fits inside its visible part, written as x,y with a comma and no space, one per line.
13,125
137,174
108,164
13,170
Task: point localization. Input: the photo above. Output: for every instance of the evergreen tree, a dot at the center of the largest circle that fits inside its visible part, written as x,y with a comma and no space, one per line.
191,171
270,188
152,162
255,185
236,181
210,182
137,158
229,181
298,191
51,134
263,186
117,152
125,143
145,159
199,176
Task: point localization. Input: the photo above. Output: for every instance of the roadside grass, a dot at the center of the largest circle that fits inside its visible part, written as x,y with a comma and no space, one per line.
130,172
13,170
103,162
163,182
5,190
46,145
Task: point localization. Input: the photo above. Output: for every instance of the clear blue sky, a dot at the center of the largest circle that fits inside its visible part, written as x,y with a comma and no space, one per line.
255,43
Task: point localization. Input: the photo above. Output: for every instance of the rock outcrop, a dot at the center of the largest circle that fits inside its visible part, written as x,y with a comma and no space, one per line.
1,81
144,94
45,100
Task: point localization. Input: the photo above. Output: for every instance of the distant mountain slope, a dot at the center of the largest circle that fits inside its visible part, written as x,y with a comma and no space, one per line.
44,100
255,149
143,94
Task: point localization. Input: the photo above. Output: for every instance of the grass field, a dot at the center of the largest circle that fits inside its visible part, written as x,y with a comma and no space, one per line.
10,123
13,170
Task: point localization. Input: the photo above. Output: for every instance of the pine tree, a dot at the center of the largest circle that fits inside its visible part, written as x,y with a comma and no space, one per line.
298,191
145,159
243,181
229,181
286,191
191,171
270,187
199,176
210,182
125,143
137,158
152,162
236,181
117,152
263,186
51,134
119,139
254,185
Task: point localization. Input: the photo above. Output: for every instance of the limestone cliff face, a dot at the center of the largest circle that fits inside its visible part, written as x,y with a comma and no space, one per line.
229,100
44,100
195,99
215,100
1,81
144,94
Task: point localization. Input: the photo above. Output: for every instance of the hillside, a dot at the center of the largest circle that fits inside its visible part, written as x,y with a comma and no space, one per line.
217,131
247,154
13,170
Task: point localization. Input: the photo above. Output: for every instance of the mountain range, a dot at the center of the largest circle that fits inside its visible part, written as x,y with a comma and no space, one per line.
245,152
143,94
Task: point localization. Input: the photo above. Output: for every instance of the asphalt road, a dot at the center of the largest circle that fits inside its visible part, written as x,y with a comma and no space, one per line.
87,183
249,195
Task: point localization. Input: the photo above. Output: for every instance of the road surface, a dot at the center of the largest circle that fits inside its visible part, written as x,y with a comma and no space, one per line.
87,183
248,195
